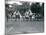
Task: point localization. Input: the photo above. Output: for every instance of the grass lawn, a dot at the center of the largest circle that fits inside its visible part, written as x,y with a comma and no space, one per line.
24,27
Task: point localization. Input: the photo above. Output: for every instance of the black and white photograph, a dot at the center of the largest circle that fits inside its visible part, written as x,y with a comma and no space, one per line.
23,17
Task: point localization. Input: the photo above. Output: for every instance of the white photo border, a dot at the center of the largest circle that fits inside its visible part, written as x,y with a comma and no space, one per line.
2,17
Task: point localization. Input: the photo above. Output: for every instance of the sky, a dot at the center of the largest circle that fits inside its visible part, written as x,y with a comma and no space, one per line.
12,0
16,1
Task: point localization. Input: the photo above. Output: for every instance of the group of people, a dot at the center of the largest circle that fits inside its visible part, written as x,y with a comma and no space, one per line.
28,15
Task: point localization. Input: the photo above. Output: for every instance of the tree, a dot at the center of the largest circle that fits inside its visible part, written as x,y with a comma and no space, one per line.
36,8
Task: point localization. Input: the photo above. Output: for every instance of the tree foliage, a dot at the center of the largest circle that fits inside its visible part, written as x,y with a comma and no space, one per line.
36,8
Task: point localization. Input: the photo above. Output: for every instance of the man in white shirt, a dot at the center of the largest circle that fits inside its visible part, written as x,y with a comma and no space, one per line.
30,14
27,15
17,15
